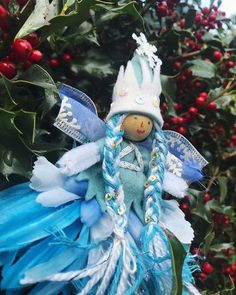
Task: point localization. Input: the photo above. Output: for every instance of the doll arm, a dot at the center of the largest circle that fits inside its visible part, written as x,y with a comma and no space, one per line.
81,158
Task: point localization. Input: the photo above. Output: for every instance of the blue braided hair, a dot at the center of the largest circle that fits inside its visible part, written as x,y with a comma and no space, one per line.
114,193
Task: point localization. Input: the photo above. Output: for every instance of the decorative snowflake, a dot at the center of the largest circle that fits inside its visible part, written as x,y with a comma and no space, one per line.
145,48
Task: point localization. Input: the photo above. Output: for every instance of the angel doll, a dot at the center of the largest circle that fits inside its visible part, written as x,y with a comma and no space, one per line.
96,221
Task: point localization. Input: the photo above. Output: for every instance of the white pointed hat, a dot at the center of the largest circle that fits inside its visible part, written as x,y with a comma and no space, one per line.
138,87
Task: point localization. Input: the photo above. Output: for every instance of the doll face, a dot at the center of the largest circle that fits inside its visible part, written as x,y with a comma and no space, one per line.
137,127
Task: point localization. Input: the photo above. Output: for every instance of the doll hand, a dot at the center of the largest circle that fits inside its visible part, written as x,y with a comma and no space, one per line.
45,176
79,159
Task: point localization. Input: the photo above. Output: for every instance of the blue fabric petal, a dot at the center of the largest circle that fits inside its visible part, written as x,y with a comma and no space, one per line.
33,223
76,187
192,172
37,254
90,212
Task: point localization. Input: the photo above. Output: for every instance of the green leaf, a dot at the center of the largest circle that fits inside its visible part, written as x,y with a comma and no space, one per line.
43,12
126,8
15,152
168,85
6,102
189,18
221,246
223,187
75,19
25,122
208,240
178,255
95,64
201,68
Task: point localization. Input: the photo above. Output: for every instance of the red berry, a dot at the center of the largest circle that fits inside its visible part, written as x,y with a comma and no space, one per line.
212,16
204,22
33,39
182,23
36,56
193,110
67,57
22,2
227,270
215,7
233,138
211,106
207,197
198,17
217,55
54,63
178,106
181,120
164,106
204,94
205,10
207,267
21,49
211,25
229,64
182,130
229,252
200,101
184,207
8,69
166,125
198,85
177,65
174,120
3,13
233,268
162,9
203,276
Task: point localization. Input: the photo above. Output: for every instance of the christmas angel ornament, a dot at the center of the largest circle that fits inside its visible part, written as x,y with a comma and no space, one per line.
96,221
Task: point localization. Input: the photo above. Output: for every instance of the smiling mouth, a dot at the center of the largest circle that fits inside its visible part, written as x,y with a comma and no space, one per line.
140,131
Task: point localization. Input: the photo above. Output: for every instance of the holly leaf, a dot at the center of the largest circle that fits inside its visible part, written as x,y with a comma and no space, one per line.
168,85
189,18
222,246
15,153
222,180
126,8
43,12
201,68
178,255
25,122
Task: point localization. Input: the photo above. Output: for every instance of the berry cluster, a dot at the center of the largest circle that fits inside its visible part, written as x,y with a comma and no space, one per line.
22,56
55,61
209,19
164,8
24,52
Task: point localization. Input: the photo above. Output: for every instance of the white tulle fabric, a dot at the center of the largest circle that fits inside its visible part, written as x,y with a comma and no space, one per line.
172,218
174,185
79,159
45,176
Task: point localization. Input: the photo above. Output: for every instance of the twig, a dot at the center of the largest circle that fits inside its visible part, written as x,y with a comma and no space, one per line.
226,156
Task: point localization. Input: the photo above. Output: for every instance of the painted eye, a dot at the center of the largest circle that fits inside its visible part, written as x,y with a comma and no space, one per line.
149,122
135,118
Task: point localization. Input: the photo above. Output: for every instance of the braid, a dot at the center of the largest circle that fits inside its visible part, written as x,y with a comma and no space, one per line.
114,197
153,191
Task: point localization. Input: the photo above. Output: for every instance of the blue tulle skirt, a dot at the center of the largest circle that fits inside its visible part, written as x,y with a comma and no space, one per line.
38,241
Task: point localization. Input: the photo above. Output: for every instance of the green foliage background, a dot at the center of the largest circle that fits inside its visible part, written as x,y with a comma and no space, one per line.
98,35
